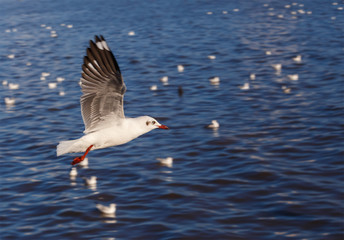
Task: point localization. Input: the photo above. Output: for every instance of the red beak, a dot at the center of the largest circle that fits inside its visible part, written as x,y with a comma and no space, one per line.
163,127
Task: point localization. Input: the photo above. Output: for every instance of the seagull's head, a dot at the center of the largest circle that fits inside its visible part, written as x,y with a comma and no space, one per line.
151,123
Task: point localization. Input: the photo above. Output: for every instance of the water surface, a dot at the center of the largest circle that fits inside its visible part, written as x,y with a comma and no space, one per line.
274,168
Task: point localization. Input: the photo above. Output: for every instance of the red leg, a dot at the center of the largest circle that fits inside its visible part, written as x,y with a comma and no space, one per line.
79,159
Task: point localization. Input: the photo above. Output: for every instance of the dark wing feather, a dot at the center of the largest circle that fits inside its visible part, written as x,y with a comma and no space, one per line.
102,85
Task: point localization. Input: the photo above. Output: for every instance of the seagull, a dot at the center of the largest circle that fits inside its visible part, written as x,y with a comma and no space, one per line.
102,105
10,101
297,59
153,88
286,89
60,79
131,33
277,67
13,86
214,124
214,80
45,74
164,79
52,85
293,77
246,86
91,181
166,161
107,209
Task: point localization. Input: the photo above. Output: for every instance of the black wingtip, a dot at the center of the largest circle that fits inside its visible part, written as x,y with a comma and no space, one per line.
108,54
97,38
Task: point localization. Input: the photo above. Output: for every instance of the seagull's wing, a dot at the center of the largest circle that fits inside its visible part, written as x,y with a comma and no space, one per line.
102,85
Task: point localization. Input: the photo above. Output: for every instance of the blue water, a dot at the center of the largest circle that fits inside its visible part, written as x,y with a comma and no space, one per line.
274,168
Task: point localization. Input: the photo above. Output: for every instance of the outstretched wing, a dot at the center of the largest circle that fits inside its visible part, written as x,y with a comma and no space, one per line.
102,85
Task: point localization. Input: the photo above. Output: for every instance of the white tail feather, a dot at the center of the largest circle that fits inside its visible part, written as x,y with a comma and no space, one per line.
65,147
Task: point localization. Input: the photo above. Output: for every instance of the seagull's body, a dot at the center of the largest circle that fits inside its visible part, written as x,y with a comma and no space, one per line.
293,77
166,161
52,85
164,79
153,88
60,79
102,105
111,209
214,124
91,181
111,132
10,101
286,89
214,80
277,67
131,33
45,74
246,86
13,86
297,59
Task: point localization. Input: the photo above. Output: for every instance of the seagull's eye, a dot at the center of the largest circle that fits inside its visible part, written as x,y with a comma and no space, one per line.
153,122
147,123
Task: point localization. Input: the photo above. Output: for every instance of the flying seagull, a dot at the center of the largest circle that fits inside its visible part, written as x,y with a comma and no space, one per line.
101,103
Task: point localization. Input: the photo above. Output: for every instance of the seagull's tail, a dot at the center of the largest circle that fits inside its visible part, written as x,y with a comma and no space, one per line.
65,147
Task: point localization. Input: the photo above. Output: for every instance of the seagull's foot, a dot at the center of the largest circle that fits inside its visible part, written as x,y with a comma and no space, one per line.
79,159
